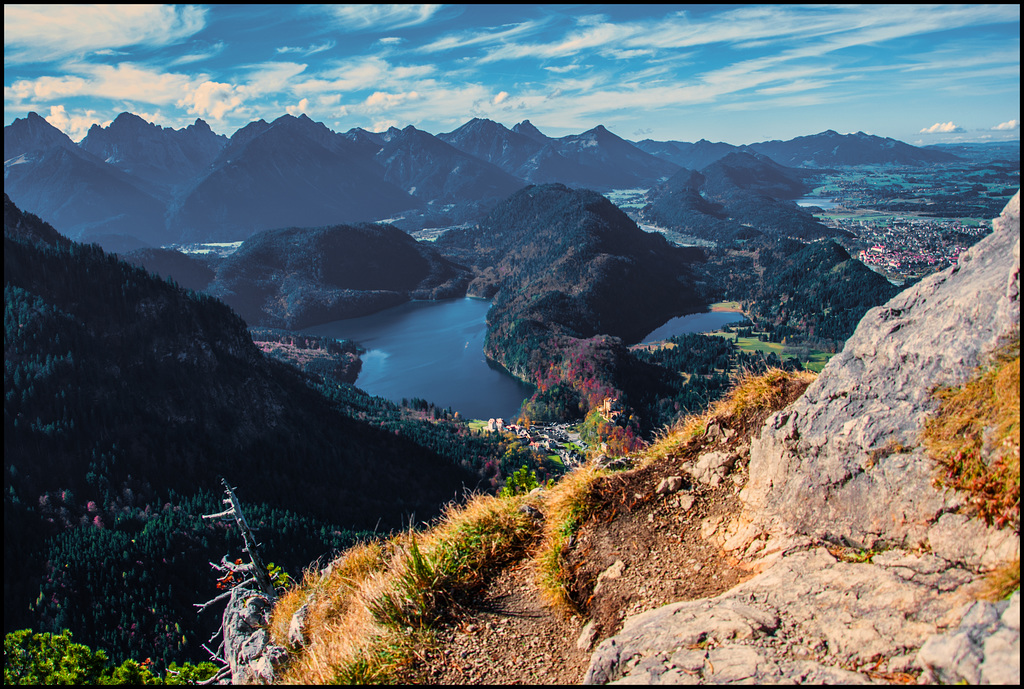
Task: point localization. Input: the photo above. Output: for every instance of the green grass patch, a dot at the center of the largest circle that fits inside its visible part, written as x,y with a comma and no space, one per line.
815,360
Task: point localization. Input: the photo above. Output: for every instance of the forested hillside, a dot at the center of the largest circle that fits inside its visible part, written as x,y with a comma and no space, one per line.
735,198
126,399
812,294
572,278
295,277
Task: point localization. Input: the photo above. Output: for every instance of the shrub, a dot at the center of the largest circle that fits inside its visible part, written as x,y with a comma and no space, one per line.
975,437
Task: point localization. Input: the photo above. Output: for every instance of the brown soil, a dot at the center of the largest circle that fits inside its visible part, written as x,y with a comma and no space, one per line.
507,634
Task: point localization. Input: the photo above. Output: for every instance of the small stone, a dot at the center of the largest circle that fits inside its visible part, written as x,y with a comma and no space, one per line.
669,485
587,637
296,627
613,572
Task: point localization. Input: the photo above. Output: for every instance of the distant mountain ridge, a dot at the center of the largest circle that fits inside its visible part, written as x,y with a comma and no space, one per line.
737,197
133,184
291,172
830,149
164,157
428,168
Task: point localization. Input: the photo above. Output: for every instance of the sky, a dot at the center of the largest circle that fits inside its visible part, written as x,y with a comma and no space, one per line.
734,73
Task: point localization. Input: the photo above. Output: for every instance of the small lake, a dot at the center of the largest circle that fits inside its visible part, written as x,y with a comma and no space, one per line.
822,203
432,350
694,323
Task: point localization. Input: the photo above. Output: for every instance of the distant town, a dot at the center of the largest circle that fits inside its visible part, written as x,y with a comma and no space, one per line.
903,248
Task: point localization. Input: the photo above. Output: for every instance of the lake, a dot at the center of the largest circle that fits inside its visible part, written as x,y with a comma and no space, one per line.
822,203
433,350
694,323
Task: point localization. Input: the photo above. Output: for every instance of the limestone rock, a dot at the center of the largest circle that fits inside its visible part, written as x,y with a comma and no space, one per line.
297,626
984,649
587,636
613,572
247,648
712,467
669,485
843,462
807,616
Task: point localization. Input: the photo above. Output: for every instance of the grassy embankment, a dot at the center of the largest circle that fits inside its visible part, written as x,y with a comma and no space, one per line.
378,605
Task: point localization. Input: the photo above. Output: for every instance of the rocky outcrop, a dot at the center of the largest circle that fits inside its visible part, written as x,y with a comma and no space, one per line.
842,466
251,657
844,463
984,649
809,619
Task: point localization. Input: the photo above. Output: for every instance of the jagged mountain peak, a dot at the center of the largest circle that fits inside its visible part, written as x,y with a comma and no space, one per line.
33,133
526,128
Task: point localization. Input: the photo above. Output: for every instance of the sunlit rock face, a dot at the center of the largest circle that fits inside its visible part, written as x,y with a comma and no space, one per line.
844,462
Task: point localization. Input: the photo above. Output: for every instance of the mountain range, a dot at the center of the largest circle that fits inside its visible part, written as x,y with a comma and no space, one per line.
133,184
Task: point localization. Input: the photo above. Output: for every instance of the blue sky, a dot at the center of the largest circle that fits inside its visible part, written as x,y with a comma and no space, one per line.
734,73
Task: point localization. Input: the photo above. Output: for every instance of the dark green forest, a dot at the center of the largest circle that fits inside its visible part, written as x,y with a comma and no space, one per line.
810,294
127,398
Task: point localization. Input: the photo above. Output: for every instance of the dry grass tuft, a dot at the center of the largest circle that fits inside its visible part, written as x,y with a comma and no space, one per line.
1003,581
566,507
452,558
755,396
373,608
975,437
752,398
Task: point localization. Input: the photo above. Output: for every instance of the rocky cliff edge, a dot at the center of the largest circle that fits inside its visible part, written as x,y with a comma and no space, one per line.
868,573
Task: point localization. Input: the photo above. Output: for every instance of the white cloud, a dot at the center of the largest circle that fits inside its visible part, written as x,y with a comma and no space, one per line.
38,33
942,128
44,88
486,36
212,51
390,40
383,125
270,78
360,17
311,49
1007,126
296,110
75,126
211,99
386,101
562,70
123,82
